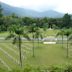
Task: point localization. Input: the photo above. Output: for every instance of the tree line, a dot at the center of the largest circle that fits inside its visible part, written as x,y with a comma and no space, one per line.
55,23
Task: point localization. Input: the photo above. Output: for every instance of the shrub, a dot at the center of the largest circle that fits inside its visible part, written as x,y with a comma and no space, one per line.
68,68
27,68
55,69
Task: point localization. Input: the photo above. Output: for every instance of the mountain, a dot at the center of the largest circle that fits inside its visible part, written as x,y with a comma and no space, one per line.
52,13
7,10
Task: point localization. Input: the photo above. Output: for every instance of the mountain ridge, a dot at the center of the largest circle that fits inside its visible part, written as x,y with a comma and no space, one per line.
28,12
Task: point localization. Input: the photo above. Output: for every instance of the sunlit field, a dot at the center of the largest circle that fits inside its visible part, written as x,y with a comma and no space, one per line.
45,54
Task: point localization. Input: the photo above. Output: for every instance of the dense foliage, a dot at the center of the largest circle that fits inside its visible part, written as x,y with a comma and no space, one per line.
56,23
66,68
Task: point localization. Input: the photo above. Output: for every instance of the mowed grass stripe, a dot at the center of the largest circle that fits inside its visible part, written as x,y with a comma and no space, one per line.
14,47
11,57
26,47
7,49
14,53
4,63
11,49
7,59
24,52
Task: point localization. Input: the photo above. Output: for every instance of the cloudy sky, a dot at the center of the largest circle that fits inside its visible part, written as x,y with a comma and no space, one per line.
64,6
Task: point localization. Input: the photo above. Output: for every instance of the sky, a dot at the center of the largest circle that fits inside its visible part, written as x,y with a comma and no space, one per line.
64,6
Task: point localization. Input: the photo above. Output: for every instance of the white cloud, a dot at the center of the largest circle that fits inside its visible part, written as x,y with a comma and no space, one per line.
40,5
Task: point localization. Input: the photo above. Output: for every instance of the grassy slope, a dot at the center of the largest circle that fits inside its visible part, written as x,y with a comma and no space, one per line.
50,32
4,34
48,55
45,55
47,33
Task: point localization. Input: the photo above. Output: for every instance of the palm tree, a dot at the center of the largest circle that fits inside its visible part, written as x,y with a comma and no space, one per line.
61,33
34,30
38,34
16,32
33,44
67,33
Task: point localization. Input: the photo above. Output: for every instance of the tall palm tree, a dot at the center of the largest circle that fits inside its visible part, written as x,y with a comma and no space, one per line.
35,34
67,33
61,33
32,30
17,32
38,34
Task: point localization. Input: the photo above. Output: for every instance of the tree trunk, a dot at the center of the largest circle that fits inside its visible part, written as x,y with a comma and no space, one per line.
33,45
62,41
38,42
67,48
20,51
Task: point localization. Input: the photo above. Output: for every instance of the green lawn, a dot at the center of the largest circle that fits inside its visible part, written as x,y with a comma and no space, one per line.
50,32
44,33
47,32
4,34
49,55
45,55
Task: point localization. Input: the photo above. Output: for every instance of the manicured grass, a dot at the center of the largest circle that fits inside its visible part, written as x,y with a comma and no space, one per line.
46,33
48,55
50,32
10,54
4,34
45,55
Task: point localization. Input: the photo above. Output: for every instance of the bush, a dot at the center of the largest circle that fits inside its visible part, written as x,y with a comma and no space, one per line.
68,68
55,69
27,68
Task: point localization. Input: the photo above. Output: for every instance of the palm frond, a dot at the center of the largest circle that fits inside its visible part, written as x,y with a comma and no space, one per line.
15,40
70,37
36,35
60,33
10,36
41,36
26,36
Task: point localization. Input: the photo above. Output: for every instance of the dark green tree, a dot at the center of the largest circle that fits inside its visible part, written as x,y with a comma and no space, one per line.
52,22
67,33
38,34
67,21
1,11
17,32
1,18
32,30
61,33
